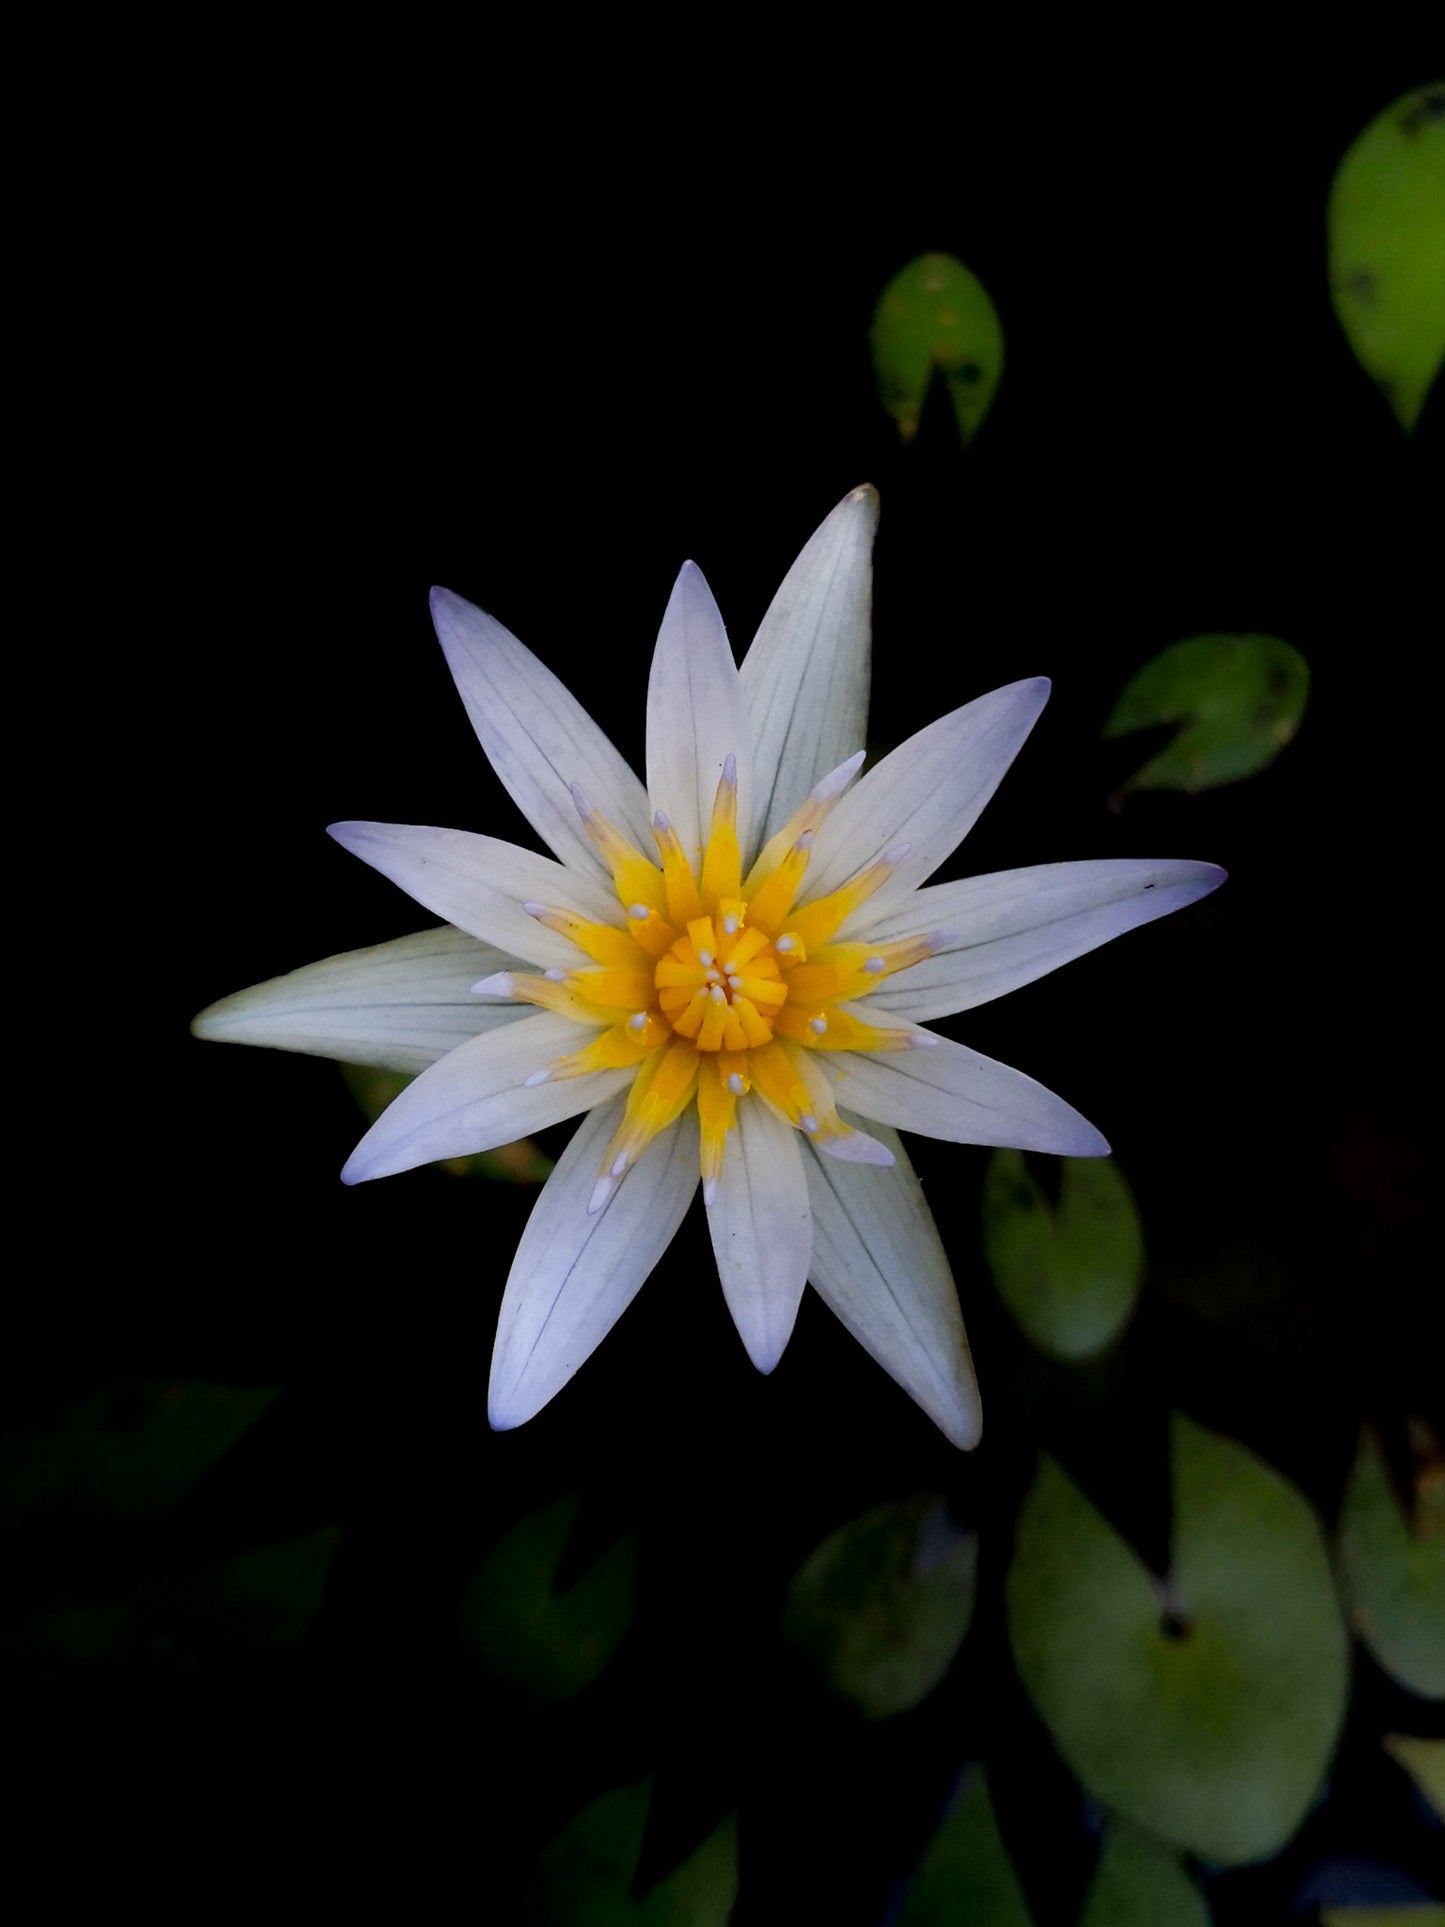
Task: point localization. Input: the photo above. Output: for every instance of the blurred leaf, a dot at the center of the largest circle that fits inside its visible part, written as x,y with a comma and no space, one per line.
1139,1882
1394,1569
882,1607
123,1453
1424,1761
584,1878
932,315
1069,1275
1238,701
1387,249
1424,1913
544,1643
521,1162
966,1875
1211,1723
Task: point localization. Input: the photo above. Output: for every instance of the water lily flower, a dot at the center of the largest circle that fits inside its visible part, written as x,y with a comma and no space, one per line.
722,972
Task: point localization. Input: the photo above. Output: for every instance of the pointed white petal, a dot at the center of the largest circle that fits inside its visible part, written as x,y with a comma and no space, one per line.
398,1006
856,1148
480,884
956,1094
475,1099
762,1230
880,1264
805,679
538,736
574,1275
695,717
927,793
1020,924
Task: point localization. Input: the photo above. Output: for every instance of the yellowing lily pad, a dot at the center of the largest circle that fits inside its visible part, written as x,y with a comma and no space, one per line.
1237,700
966,1873
1139,1882
584,1879
1387,249
1394,1569
935,316
1070,1274
882,1607
1207,1714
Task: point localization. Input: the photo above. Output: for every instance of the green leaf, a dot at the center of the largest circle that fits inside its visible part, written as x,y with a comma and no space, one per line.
966,1874
544,1643
882,1607
935,315
1069,1275
1387,249
1139,1882
521,1162
1394,1570
1237,700
1424,1761
1207,1712
1419,1913
584,1879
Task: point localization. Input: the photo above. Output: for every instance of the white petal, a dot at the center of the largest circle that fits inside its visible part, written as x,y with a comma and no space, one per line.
399,1006
805,679
480,884
880,1264
956,1094
695,717
927,793
574,1275
762,1230
1021,924
538,736
474,1099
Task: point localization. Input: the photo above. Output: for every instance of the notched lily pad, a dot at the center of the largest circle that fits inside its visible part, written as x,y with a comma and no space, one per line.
545,1643
883,1605
1236,699
584,1878
521,1162
1206,1711
1394,1568
1139,1882
1070,1274
936,317
1387,249
966,1873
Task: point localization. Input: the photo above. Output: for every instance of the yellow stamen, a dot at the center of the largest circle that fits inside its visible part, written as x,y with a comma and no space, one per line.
815,922
774,900
634,878
679,885
722,860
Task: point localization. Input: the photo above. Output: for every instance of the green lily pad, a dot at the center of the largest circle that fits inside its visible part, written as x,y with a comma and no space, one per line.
882,1607
966,1873
1424,1761
584,1879
935,316
521,1162
1419,1913
1139,1882
1071,1274
543,1643
1237,699
1387,249
1206,1711
1394,1570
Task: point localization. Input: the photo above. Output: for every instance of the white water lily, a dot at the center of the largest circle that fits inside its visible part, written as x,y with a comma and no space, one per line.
722,1010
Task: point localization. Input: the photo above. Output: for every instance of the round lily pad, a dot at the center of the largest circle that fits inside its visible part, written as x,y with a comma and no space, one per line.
1237,700
1070,1275
1394,1570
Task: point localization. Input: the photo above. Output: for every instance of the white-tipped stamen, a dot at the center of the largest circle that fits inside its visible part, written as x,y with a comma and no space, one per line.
704,957
536,1078
619,1164
736,1084
713,977
579,800
923,1040
730,924
730,769
601,1192
809,1123
941,939
873,965
837,780
661,823
499,984
535,909
718,994
638,1020
555,974
709,1191
817,1025
897,853
735,983
638,912
805,841
786,943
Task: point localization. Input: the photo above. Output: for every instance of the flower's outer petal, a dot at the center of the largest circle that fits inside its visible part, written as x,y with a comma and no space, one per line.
805,679
480,884
879,1263
474,1099
539,738
574,1275
1021,924
695,717
927,793
762,1230
398,1006
954,1093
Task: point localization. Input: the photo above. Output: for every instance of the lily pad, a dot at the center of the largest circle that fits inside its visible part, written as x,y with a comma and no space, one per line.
883,1605
1139,1882
1237,700
1418,1913
966,1873
1424,1761
584,1879
1206,1711
544,1643
1387,249
521,1162
1069,1274
1394,1569
936,317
